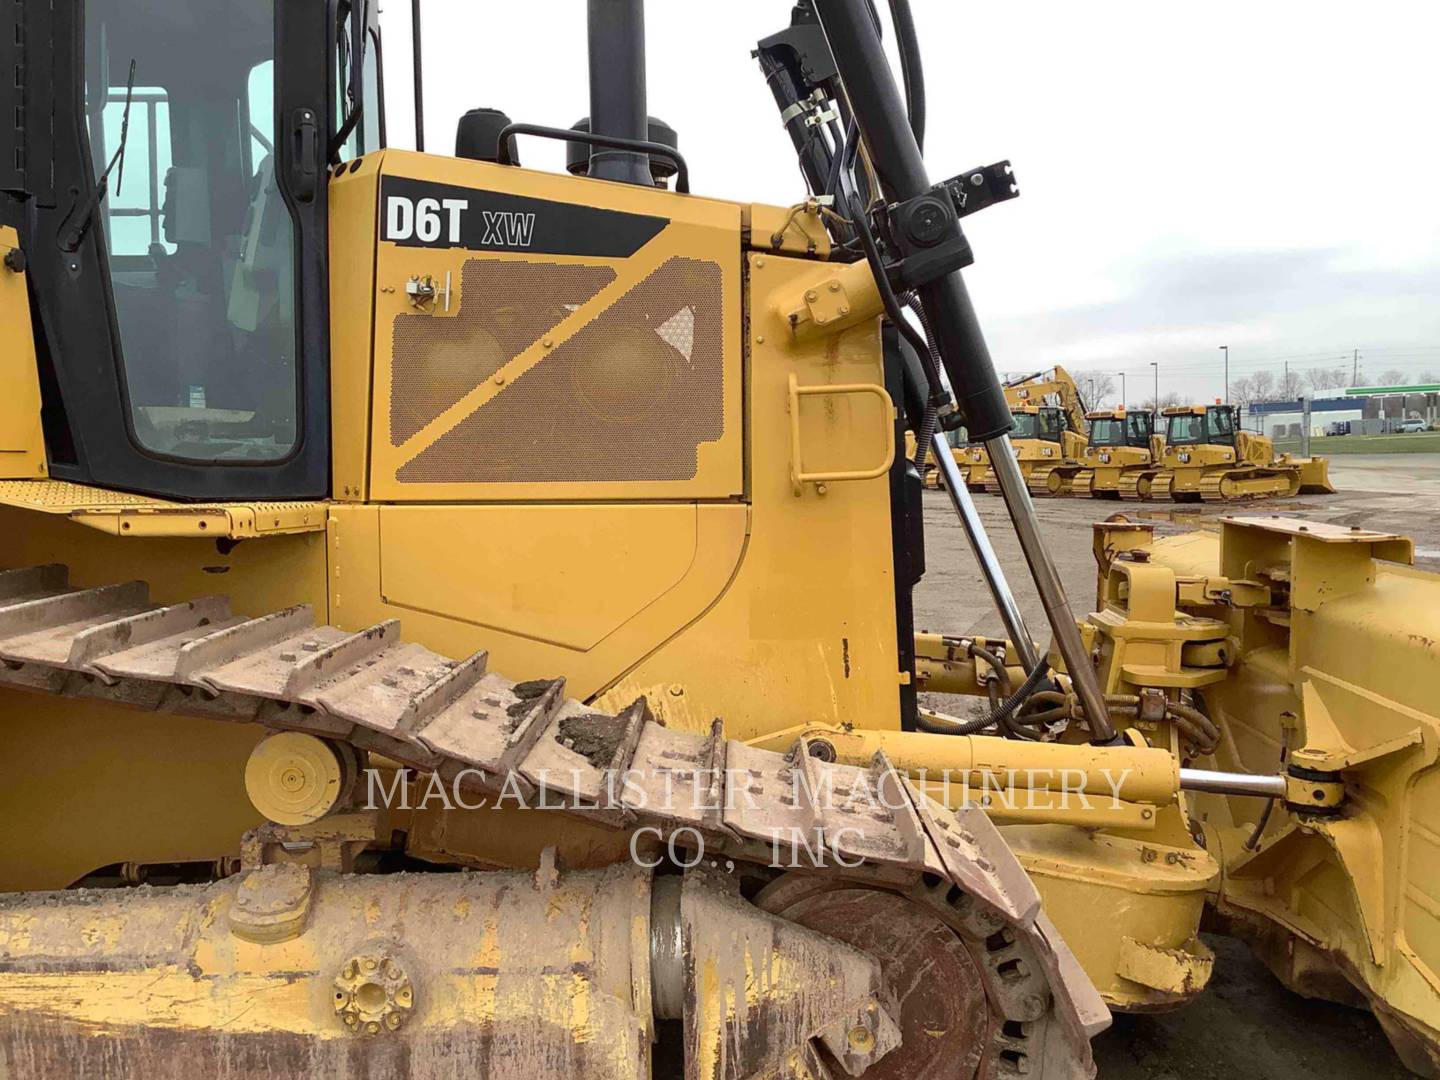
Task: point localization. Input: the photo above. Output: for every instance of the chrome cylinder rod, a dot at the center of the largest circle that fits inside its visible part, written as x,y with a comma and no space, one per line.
984,553
1228,783
1047,583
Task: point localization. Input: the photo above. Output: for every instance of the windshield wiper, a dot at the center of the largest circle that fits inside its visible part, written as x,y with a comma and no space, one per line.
84,214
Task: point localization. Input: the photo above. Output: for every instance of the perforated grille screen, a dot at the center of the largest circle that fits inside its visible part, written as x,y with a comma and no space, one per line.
632,396
505,307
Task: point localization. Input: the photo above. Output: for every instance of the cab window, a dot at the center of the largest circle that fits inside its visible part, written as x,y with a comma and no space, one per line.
367,134
1185,428
1027,426
202,245
1107,432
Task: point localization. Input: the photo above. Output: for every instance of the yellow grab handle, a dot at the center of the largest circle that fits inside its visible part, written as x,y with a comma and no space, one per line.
798,476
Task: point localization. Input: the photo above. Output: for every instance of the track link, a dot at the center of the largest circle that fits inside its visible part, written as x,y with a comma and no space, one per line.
475,728
1038,480
1232,485
1140,485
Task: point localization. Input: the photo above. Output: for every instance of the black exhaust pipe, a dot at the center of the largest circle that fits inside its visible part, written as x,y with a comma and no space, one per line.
617,88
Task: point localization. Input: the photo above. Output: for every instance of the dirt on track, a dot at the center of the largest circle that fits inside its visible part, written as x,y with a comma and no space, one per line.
1246,1024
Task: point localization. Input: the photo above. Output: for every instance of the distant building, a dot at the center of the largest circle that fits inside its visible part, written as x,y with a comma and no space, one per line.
1283,419
1370,410
1399,402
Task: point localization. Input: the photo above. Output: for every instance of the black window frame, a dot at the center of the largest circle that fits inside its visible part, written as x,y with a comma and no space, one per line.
1143,420
89,430
1208,435
1056,432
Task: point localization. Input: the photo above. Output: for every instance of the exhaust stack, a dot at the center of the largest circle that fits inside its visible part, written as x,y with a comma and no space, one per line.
617,88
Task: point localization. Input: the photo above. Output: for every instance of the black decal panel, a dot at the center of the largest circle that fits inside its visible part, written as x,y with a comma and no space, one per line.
420,213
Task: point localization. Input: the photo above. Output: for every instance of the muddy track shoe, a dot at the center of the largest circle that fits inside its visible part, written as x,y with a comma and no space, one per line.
1230,485
1140,486
1038,481
1026,1007
1061,481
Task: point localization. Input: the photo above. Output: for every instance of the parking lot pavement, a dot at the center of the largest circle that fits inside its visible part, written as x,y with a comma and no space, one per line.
1417,474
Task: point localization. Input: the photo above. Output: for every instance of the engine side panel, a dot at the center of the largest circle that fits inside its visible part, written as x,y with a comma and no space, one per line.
548,337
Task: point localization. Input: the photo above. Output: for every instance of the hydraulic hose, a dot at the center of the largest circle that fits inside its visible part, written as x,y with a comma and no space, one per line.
840,159
1197,728
887,294
911,70
928,419
996,665
999,717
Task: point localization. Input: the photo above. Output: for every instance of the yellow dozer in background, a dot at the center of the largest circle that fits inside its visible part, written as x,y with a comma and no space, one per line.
1208,456
455,618
1048,437
1121,458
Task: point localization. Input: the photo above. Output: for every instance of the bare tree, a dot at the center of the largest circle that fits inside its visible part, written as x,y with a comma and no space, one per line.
1429,377
1327,378
1167,401
1096,387
1393,377
1242,390
1290,385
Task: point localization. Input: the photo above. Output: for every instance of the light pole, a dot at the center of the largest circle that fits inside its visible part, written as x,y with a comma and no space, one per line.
1226,350
1155,364
1122,388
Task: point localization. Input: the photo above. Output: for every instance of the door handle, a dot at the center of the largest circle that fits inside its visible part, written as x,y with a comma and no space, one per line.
304,155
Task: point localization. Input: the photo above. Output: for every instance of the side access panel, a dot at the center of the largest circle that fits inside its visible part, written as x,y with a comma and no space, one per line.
580,590
806,631
551,337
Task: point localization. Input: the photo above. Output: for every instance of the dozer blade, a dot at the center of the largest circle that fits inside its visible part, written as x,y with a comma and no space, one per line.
457,721
1314,474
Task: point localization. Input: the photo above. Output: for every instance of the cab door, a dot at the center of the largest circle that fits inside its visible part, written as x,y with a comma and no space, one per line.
180,284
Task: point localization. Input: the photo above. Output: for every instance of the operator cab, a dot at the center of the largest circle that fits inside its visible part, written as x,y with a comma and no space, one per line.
1116,429
1212,425
1043,422
177,235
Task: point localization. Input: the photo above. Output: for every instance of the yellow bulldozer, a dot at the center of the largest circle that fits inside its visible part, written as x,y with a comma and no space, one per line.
455,618
1049,435
1208,456
1121,458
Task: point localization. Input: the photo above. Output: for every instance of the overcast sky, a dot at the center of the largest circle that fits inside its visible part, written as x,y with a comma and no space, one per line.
1263,175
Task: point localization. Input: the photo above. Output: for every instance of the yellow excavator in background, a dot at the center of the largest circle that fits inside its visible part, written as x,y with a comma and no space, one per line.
1208,456
1049,436
1121,458
641,787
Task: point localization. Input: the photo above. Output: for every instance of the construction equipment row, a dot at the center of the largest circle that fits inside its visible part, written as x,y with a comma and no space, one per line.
1202,453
